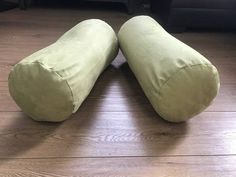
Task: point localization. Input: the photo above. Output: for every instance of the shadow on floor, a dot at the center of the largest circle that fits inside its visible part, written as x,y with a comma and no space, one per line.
132,129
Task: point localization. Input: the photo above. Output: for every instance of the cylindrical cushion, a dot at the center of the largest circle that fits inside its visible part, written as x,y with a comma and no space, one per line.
51,84
178,81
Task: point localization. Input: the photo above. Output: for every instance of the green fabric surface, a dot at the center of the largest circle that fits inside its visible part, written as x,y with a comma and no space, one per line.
51,84
178,81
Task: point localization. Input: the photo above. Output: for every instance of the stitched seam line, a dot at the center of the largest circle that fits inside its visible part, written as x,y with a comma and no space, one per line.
173,75
44,66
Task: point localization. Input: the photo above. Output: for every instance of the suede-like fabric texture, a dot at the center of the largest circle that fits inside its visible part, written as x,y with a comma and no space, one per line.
178,81
51,84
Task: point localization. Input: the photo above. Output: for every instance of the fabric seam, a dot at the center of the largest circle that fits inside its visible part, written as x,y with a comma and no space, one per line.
183,68
71,93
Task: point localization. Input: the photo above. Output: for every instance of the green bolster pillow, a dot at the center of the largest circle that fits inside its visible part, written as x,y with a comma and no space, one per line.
51,84
178,81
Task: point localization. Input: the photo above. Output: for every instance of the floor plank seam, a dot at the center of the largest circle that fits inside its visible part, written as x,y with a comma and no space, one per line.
116,157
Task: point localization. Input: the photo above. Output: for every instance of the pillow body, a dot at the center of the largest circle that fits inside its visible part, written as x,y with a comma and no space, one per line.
51,84
178,81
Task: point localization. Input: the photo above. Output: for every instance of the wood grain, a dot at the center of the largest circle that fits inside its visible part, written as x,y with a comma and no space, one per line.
93,134
116,132
206,166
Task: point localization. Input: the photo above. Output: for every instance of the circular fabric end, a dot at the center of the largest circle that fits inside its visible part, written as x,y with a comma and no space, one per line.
40,92
188,92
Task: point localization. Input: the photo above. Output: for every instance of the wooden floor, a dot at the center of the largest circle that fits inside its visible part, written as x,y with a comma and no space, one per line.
116,132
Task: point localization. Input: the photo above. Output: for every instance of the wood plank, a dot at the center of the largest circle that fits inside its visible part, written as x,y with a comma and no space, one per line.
24,32
116,134
206,166
54,20
4,72
212,43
